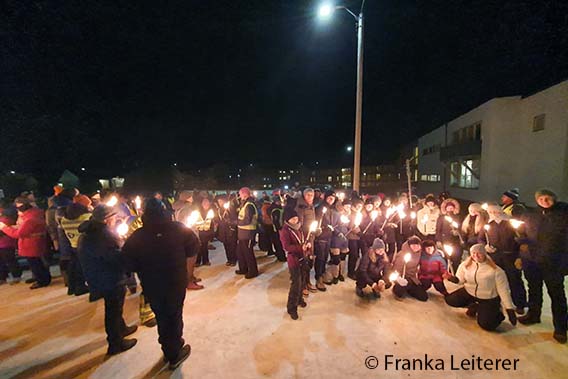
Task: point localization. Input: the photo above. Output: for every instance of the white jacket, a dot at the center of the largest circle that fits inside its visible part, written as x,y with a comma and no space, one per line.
431,217
482,281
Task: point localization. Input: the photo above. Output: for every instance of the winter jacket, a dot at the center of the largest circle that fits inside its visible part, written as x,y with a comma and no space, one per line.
432,266
471,226
411,266
501,236
428,227
292,241
75,215
371,229
7,242
326,231
546,233
100,257
306,214
515,209
445,231
247,220
31,234
338,238
227,224
158,253
369,272
484,282
276,212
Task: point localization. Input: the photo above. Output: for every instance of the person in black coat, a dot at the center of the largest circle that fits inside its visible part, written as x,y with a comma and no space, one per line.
544,252
227,232
99,255
372,271
158,252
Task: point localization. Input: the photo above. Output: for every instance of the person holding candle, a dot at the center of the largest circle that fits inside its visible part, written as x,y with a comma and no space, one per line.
406,262
404,223
427,218
510,203
504,251
324,213
205,225
544,252
339,246
356,246
433,267
472,224
297,249
447,230
247,223
307,214
372,271
371,224
227,231
485,287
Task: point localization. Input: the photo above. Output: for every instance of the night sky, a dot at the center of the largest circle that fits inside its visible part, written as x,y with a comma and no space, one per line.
120,83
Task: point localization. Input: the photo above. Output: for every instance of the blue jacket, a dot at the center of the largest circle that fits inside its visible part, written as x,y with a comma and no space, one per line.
100,257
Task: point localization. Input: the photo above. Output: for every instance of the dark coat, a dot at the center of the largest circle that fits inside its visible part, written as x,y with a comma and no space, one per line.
370,272
444,230
100,257
501,236
306,214
158,252
227,219
292,241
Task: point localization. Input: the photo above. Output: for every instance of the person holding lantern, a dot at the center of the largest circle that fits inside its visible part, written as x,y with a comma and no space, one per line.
448,232
297,248
544,252
372,271
433,267
499,237
406,262
485,287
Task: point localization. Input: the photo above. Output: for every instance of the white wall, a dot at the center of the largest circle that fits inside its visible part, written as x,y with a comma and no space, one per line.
430,164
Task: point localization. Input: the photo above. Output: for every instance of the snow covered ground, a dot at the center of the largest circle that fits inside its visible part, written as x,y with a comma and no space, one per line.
239,328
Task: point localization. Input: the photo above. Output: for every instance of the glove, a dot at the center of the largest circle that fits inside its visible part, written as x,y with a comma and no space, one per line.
512,316
368,290
341,236
402,282
518,264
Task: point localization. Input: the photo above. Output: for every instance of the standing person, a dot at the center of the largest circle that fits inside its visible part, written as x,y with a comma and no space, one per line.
485,287
473,224
356,246
227,232
307,214
50,220
246,229
264,241
408,282
158,253
296,247
75,215
504,251
404,224
372,271
323,237
433,268
206,230
8,262
338,246
32,242
510,203
447,230
427,218
276,214
183,206
544,251
99,254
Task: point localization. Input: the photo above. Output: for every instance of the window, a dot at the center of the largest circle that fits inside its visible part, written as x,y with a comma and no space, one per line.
466,134
465,174
435,178
329,179
538,123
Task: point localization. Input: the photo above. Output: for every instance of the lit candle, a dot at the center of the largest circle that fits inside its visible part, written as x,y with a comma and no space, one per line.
112,201
138,203
210,214
374,215
393,277
407,257
413,215
344,219
323,210
122,229
313,228
255,193
192,219
226,206
487,227
516,223
449,249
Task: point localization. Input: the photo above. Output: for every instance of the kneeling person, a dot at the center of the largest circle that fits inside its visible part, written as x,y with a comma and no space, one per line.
372,271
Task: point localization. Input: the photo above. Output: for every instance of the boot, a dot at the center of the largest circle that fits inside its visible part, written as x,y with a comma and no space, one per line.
126,344
328,276
311,287
320,286
471,310
342,270
182,356
530,318
560,336
359,292
293,314
130,330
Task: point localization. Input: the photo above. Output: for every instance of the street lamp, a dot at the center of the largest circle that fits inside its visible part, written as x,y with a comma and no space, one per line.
325,11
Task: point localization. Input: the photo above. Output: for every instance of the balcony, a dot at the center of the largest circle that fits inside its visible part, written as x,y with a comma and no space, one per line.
467,149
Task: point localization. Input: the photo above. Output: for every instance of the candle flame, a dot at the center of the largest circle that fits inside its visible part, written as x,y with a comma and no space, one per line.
449,249
374,215
407,257
210,214
112,201
324,210
516,223
358,219
486,227
393,276
138,202
344,219
313,226
226,205
122,229
192,219
413,215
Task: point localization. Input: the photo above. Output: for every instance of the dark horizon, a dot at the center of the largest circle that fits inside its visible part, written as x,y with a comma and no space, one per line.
98,85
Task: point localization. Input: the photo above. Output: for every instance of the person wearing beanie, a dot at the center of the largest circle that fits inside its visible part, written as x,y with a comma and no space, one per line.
306,210
338,245
448,230
75,214
485,287
427,218
325,213
99,254
160,252
502,247
544,252
227,232
432,268
247,224
407,282
510,203
372,276
32,242
297,248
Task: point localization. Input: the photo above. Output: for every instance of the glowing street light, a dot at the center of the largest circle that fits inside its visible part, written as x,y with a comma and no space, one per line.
326,10
349,149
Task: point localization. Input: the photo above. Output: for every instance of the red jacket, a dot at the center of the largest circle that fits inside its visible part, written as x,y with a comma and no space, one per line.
292,243
31,234
7,242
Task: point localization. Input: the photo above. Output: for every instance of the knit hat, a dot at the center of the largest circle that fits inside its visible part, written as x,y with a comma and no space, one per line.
429,199
477,248
289,213
544,192
428,243
329,193
102,212
83,200
414,240
378,244
513,194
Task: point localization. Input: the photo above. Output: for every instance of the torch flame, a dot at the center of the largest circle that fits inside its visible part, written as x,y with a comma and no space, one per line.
374,215
358,219
344,219
324,209
407,257
122,229
393,276
138,202
486,227
313,226
192,219
226,205
449,249
516,223
210,214
413,215
112,201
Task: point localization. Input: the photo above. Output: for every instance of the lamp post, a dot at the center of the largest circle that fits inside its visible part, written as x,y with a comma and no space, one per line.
326,11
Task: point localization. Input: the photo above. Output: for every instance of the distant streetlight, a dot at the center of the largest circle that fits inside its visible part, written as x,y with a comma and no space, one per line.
349,149
82,168
325,11
12,172
175,164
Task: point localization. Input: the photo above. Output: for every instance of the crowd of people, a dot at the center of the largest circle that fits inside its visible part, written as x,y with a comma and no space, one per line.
405,244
